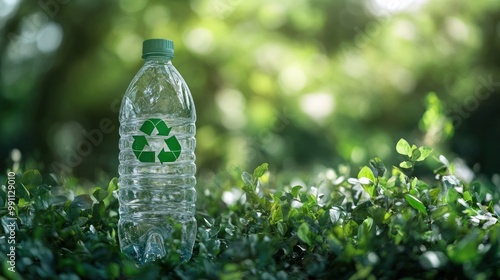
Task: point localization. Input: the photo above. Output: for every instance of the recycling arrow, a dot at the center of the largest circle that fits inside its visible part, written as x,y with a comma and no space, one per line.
140,142
149,125
138,146
173,154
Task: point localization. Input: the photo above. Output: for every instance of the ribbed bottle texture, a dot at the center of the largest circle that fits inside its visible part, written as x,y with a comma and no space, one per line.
157,165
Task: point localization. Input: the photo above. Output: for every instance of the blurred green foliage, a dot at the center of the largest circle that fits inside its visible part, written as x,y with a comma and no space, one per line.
293,83
384,223
298,84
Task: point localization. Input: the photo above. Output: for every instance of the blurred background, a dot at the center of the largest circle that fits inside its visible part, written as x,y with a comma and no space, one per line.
293,83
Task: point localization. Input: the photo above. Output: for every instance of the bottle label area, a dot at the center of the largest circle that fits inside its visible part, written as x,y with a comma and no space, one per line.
155,150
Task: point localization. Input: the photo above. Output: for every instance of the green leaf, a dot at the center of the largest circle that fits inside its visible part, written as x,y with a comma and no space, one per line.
113,185
337,198
416,203
40,190
415,154
403,147
58,199
442,170
414,183
100,194
425,152
303,233
491,207
350,229
370,189
367,180
378,167
366,172
364,231
276,213
282,228
260,170
31,179
444,160
83,201
98,210
42,201
434,194
22,192
252,197
360,213
247,178
296,190
406,164
452,196
81,221
466,248
4,211
467,197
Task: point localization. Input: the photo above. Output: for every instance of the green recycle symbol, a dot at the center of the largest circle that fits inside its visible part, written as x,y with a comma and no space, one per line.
140,142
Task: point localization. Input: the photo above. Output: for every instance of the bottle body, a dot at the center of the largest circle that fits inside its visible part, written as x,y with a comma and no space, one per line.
157,165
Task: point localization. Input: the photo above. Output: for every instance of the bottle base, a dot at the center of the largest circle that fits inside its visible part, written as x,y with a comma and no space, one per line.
148,242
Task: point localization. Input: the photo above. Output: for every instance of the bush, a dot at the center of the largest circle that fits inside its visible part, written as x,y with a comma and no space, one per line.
382,224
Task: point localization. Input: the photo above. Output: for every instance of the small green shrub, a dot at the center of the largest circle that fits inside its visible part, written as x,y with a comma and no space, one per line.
383,224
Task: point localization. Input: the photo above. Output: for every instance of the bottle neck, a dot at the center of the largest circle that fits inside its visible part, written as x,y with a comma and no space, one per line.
157,60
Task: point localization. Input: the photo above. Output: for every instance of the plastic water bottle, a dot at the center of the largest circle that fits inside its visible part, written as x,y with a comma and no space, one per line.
157,162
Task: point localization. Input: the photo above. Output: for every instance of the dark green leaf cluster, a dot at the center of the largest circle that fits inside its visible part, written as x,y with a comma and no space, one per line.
60,235
382,224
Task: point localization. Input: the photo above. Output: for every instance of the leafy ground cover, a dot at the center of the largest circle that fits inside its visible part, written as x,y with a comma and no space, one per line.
384,223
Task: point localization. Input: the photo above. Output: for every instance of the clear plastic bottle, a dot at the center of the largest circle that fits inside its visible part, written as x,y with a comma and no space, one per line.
157,161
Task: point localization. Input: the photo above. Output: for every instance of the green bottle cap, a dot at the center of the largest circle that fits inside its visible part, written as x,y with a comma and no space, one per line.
158,47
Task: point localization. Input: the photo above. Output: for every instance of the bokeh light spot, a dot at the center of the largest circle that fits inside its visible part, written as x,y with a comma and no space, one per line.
270,56
405,29
7,7
127,45
292,79
403,80
232,105
49,38
261,83
199,40
317,105
272,15
389,7
15,155
66,137
358,154
457,29
354,65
